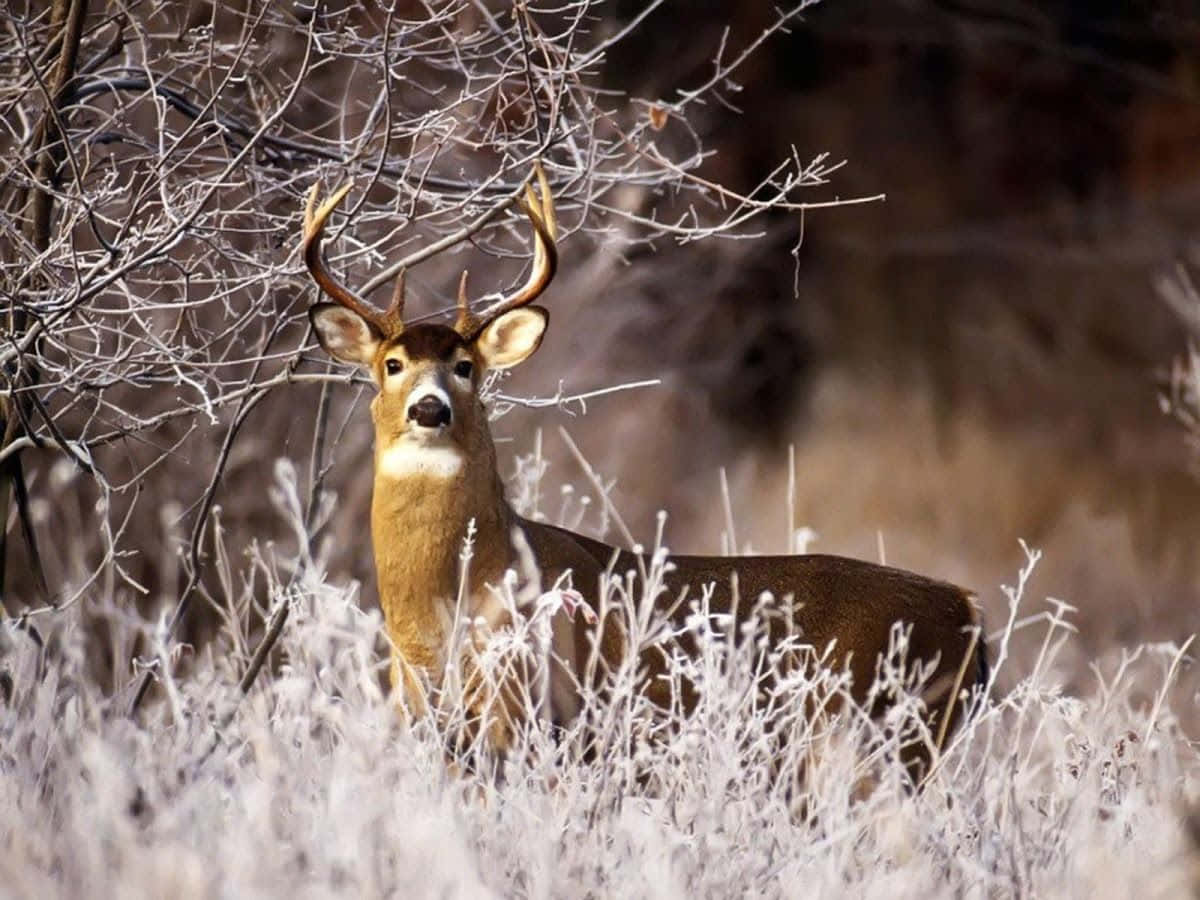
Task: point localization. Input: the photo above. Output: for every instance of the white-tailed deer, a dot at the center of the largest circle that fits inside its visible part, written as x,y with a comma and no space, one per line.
436,472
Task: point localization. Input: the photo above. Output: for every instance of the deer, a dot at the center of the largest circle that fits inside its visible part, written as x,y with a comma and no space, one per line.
437,480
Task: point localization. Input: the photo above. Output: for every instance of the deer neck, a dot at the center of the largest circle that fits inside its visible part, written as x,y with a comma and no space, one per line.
420,521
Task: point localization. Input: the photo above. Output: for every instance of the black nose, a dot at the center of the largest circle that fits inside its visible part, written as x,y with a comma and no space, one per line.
429,412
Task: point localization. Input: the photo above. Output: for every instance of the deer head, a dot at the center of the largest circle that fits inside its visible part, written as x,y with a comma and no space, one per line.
427,413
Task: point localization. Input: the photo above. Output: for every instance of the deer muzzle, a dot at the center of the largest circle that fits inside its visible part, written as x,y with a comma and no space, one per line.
430,411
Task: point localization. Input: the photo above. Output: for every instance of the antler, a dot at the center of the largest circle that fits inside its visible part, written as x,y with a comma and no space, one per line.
545,261
389,321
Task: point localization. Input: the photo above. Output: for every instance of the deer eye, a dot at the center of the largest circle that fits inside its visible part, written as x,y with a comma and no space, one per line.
463,368
393,366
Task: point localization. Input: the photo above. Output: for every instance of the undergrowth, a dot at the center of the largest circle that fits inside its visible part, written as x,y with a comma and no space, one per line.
311,785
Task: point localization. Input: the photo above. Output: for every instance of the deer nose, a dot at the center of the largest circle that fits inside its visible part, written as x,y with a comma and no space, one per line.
429,412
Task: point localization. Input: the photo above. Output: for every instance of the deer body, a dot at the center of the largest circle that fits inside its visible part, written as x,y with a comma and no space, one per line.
436,483
834,599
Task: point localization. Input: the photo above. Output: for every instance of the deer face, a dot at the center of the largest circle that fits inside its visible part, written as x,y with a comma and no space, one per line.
427,413
428,417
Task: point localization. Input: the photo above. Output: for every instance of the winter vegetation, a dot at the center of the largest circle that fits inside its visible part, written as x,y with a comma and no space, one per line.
193,677
311,786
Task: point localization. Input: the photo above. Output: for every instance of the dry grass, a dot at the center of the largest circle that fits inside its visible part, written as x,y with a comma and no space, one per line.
311,787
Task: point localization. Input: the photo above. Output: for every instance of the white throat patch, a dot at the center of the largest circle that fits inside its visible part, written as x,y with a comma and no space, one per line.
404,459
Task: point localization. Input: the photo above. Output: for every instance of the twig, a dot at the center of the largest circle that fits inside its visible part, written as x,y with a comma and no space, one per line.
599,487
562,400
263,650
455,237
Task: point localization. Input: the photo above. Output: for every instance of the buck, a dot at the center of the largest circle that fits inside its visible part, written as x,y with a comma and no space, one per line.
436,477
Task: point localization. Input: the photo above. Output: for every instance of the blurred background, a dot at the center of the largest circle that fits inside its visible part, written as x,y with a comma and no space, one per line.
977,359
980,357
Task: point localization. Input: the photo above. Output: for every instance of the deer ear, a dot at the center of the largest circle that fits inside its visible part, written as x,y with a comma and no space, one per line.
512,337
345,335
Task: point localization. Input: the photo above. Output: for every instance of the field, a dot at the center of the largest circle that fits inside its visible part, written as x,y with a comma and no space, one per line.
310,786
918,276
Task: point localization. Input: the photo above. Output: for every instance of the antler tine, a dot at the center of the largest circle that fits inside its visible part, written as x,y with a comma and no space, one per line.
545,254
463,322
314,225
395,311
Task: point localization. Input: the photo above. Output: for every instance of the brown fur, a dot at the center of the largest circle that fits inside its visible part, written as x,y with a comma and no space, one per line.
824,600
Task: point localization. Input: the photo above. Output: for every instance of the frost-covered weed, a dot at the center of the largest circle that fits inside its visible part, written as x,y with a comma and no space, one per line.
311,786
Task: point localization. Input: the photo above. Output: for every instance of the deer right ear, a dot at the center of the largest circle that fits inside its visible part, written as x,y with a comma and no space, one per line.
345,335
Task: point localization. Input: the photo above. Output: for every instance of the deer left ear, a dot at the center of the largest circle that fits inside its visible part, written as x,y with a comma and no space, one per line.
512,337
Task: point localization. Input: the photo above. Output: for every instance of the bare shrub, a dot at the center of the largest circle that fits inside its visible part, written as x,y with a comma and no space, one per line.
311,786
154,165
